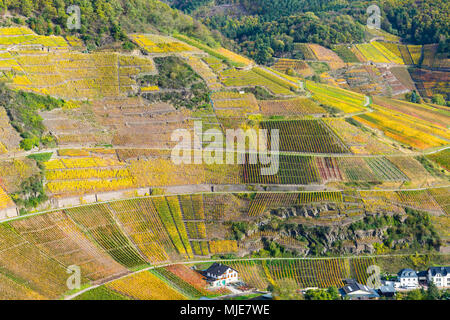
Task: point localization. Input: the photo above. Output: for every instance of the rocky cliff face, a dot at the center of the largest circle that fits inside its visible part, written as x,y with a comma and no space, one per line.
336,238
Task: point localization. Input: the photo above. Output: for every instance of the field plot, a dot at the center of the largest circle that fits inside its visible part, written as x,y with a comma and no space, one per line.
344,100
215,64
303,273
181,286
79,175
177,215
75,126
60,239
440,195
305,136
200,248
237,58
405,54
412,168
159,172
415,52
256,77
421,200
5,200
424,112
329,169
405,129
204,71
73,75
25,37
189,276
430,82
223,54
381,201
298,66
433,59
345,53
355,169
136,122
234,104
24,262
384,170
442,158
266,201
402,74
358,141
359,268
157,44
223,246
371,53
168,210
11,290
324,54
290,107
221,206
14,171
389,50
292,170
145,285
101,293
143,225
99,224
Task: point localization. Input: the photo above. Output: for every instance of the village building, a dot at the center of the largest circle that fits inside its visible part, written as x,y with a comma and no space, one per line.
440,276
219,275
408,279
357,291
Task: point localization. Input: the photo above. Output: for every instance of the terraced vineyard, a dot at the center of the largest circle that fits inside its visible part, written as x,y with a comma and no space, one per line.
90,127
304,273
305,136
257,77
344,100
290,107
299,66
292,170
145,286
108,240
405,129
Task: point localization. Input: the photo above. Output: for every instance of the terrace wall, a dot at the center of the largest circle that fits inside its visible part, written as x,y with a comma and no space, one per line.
9,213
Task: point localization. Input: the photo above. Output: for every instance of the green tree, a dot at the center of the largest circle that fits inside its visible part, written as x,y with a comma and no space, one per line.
438,99
417,294
433,292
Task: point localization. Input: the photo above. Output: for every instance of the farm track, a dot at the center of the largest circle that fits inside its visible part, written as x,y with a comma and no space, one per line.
23,154
235,260
279,190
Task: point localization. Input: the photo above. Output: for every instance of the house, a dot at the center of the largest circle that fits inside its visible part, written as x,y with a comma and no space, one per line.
219,275
408,279
440,276
355,290
386,290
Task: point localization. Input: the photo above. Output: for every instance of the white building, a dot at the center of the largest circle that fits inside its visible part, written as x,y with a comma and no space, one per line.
220,275
408,279
440,276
